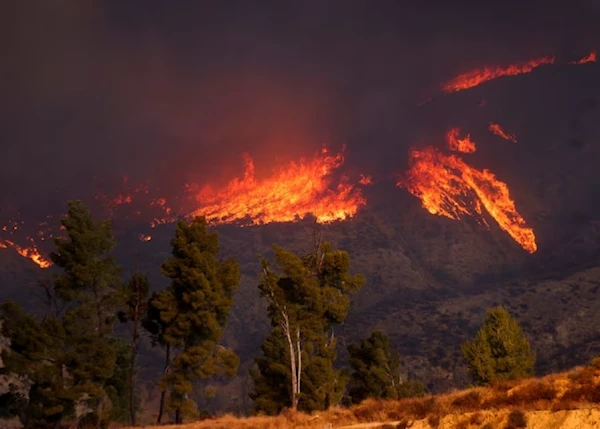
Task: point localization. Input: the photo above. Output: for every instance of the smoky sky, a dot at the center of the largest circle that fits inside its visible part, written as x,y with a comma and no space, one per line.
177,91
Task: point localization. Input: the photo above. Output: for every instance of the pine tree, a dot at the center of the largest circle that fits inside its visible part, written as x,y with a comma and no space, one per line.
203,288
35,359
377,371
307,296
136,303
500,351
90,285
159,322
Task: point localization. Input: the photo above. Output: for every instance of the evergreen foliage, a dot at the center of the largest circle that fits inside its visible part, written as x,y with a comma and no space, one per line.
377,371
191,316
307,296
500,351
135,309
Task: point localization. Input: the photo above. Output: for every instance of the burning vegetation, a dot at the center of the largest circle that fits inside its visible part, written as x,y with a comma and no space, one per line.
499,131
290,193
447,186
465,145
478,76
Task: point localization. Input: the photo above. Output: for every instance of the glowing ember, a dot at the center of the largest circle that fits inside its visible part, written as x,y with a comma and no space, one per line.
365,180
144,237
447,186
290,193
477,77
591,58
465,145
497,129
30,252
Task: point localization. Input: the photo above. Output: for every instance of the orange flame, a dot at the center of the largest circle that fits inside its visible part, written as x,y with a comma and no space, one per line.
590,58
30,252
144,237
497,129
290,193
478,76
447,186
365,180
465,145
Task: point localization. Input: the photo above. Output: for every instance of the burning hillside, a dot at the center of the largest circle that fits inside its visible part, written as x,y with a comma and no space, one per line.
290,193
478,76
449,187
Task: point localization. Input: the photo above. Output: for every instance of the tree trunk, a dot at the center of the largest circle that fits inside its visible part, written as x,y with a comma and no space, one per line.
288,335
178,418
299,368
163,394
132,369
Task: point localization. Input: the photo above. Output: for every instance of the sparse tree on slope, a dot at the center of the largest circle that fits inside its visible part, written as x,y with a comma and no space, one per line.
307,296
203,288
500,351
377,371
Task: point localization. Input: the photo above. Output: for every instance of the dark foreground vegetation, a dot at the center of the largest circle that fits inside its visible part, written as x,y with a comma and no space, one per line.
68,366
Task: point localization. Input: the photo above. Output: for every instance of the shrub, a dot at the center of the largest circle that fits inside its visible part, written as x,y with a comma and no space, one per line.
469,401
516,420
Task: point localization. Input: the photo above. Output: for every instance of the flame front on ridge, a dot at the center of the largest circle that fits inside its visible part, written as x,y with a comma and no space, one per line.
478,76
290,193
448,187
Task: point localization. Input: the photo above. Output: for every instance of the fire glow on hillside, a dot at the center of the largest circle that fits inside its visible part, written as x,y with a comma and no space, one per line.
290,193
478,76
449,187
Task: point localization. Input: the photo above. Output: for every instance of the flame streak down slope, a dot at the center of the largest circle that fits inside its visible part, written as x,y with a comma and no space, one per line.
465,145
447,186
497,129
289,194
30,252
478,76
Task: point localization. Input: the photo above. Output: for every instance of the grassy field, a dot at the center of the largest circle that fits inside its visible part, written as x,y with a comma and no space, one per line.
565,400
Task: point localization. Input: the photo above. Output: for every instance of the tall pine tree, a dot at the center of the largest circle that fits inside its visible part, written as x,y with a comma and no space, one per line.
90,285
202,289
307,296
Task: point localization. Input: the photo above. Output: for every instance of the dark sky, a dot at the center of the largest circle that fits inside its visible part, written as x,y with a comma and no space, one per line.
178,90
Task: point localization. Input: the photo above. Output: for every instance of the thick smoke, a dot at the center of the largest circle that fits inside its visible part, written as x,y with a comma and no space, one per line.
176,93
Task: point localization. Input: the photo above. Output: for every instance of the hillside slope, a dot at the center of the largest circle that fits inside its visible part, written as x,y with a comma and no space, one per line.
429,278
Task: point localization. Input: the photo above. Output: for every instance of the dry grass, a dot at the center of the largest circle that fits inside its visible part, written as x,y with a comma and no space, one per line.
575,389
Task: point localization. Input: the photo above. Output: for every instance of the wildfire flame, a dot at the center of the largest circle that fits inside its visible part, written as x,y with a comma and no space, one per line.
590,58
30,252
497,129
365,180
290,193
448,187
465,145
478,76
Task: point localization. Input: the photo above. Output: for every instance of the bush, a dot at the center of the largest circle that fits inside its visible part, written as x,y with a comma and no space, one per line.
469,401
595,363
516,420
